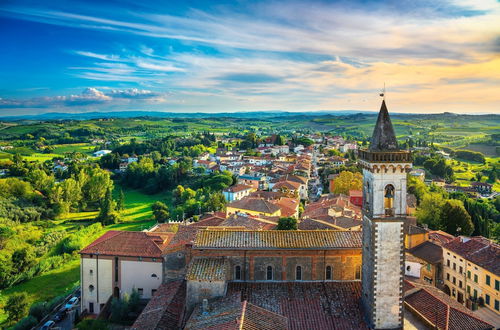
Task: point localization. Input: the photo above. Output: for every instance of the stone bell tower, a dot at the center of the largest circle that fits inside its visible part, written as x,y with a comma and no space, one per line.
384,212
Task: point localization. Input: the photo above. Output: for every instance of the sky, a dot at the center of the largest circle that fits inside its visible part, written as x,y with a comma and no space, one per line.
229,56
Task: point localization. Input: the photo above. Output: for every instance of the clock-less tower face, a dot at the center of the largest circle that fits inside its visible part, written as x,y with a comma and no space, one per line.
384,210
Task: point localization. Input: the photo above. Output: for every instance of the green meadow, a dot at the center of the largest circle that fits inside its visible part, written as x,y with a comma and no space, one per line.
136,216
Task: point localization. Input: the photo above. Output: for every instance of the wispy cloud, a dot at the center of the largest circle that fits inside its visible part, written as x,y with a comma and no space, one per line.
296,55
90,96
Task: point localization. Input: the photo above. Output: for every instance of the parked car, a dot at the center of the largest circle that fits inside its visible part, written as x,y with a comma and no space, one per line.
48,325
60,315
71,303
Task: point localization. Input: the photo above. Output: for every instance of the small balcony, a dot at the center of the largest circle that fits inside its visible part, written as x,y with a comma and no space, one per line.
390,212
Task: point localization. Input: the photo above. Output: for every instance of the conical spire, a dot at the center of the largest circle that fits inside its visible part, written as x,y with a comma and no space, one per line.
383,137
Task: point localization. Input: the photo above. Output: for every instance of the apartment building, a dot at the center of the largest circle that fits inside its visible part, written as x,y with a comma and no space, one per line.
472,272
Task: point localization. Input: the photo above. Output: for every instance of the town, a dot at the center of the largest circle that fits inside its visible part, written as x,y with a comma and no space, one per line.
257,214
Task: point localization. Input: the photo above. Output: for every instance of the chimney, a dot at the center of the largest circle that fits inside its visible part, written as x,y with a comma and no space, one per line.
204,306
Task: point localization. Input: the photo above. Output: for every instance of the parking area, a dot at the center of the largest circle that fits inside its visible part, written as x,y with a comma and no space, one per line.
64,315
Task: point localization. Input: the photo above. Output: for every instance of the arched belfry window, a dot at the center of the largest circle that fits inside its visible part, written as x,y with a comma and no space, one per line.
269,273
389,199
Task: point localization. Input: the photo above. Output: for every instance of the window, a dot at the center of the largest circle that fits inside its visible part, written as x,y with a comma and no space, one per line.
91,308
475,293
497,305
116,269
237,273
475,278
269,275
429,267
328,274
154,275
153,291
448,276
497,285
358,272
298,273
461,270
91,288
448,262
454,266
454,280
488,280
468,274
91,271
468,289
140,291
460,284
487,299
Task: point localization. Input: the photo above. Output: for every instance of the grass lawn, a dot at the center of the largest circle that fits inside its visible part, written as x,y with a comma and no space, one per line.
46,286
136,216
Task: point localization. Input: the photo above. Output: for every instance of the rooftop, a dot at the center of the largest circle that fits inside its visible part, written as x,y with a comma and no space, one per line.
440,310
237,188
383,138
428,251
330,305
232,313
164,310
207,269
129,243
477,250
254,204
278,239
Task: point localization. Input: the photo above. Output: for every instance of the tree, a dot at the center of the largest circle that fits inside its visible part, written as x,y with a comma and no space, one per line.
347,181
287,223
17,306
107,214
24,258
429,210
160,212
454,216
120,203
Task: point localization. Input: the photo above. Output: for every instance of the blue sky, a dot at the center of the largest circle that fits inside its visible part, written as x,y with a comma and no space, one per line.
207,56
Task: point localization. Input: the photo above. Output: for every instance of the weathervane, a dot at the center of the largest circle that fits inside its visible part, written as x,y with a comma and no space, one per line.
383,93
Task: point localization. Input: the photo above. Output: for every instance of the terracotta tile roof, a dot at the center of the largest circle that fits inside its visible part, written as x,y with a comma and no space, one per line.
310,224
294,178
254,204
330,305
209,221
228,314
289,206
428,251
440,237
268,195
237,188
130,243
477,250
439,310
248,222
289,185
164,310
186,234
278,239
207,269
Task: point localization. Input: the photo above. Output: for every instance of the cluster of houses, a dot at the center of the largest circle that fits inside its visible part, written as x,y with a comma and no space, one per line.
234,270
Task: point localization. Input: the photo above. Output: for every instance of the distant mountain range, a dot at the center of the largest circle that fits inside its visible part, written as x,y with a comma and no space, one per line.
159,114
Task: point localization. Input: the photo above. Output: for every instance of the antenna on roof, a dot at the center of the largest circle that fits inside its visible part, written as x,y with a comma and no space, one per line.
382,94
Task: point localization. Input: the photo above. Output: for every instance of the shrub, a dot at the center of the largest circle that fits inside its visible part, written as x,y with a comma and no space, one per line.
26,323
38,310
92,325
17,305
